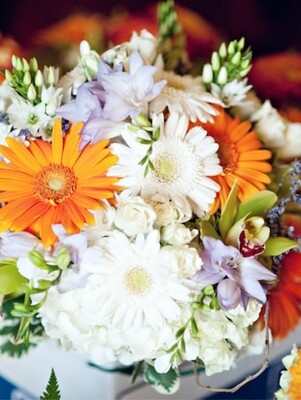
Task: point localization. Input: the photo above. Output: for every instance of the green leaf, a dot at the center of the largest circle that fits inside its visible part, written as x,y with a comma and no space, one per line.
167,383
256,205
207,229
278,245
229,212
52,390
10,278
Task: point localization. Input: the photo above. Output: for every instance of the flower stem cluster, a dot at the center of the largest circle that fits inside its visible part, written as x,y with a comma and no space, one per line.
228,63
27,79
171,36
207,300
141,122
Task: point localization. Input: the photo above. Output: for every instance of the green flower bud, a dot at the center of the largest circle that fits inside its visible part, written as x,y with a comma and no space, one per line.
207,74
14,60
244,63
222,77
31,93
215,61
38,80
241,43
231,48
142,121
235,60
9,76
222,50
25,65
19,64
27,78
37,259
34,64
208,290
63,258
51,76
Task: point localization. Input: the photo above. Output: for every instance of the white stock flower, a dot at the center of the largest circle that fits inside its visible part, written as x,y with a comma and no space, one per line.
233,93
146,43
185,95
292,148
24,115
167,213
180,261
177,234
270,126
134,216
242,317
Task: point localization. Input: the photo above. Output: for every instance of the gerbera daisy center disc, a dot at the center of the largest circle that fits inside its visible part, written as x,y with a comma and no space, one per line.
138,281
55,183
165,168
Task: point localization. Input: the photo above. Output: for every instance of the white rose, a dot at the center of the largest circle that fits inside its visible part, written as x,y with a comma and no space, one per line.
134,216
146,44
180,261
292,147
215,325
242,317
177,234
216,356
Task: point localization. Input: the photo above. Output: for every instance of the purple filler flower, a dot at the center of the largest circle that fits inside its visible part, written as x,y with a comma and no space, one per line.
127,94
237,277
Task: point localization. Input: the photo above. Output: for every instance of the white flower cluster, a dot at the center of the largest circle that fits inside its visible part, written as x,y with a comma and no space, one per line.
128,294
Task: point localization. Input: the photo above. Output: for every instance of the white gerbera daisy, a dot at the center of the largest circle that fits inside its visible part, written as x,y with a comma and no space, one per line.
183,162
133,288
185,95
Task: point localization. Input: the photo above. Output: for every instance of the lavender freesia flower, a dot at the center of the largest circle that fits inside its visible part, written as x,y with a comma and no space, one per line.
86,106
238,278
127,94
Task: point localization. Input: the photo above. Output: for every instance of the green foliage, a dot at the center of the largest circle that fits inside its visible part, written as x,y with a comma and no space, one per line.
167,383
52,390
278,245
10,278
256,205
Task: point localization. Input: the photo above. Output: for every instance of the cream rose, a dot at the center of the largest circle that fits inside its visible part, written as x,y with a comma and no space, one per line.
177,234
180,261
134,216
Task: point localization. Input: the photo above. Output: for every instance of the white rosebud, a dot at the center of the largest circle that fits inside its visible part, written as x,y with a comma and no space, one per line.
180,261
134,216
177,234
292,148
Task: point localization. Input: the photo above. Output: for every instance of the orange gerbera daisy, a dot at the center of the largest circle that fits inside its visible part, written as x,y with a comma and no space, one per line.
241,156
285,298
53,183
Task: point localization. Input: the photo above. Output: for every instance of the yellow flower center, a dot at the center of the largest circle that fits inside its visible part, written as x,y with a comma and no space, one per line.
55,183
165,168
138,281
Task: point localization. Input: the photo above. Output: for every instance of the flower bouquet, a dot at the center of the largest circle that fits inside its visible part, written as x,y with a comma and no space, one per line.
147,214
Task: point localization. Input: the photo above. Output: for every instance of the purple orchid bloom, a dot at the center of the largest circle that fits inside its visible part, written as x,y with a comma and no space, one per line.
85,107
127,94
238,278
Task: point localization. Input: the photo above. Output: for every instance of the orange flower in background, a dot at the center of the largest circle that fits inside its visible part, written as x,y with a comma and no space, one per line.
53,183
285,298
8,47
277,77
72,30
241,156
